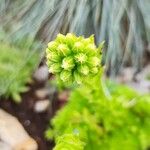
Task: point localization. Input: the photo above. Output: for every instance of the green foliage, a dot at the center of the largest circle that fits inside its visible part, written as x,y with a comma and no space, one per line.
119,122
73,58
105,116
69,142
16,67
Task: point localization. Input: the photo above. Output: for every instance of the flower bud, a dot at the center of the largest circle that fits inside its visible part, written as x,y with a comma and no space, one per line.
60,38
73,58
78,47
52,45
55,68
94,61
62,48
91,49
81,58
70,39
83,69
65,75
49,63
53,56
68,63
94,70
77,77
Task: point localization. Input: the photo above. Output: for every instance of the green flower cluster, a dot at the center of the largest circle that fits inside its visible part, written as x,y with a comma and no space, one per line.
73,58
69,142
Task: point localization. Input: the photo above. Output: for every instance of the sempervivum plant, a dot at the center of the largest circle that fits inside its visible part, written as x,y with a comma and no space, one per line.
73,58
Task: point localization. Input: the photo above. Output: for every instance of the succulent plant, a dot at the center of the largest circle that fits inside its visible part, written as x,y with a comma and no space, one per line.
73,58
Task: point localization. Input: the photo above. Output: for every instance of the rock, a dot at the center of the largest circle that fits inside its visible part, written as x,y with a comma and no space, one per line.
126,75
144,74
13,133
42,105
42,93
4,146
63,96
143,86
41,74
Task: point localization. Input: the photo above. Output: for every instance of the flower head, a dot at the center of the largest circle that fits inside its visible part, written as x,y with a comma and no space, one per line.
73,58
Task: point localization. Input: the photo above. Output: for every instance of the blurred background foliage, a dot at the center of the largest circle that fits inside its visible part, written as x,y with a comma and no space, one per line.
16,67
123,24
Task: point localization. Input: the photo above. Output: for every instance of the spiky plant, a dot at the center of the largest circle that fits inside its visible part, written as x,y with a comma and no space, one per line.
73,58
123,24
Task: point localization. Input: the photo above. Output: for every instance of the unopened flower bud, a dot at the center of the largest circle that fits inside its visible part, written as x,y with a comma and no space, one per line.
55,68
83,69
62,48
65,75
60,38
52,45
81,58
94,61
68,63
73,58
91,49
94,70
70,39
78,47
77,77
53,56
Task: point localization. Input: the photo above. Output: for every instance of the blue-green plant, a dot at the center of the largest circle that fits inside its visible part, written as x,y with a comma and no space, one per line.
124,24
104,116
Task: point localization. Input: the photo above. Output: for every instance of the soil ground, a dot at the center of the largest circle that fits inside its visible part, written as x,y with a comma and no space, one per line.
34,123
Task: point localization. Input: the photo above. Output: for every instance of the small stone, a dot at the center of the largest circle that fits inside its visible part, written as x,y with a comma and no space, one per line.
4,146
63,96
13,133
143,86
41,74
126,75
42,105
144,74
42,93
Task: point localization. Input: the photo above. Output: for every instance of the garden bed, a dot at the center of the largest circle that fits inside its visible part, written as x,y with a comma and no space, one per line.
34,123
